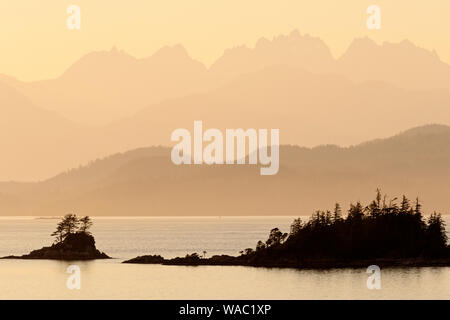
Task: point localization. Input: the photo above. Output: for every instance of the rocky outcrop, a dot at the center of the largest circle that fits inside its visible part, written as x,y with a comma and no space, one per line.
253,260
76,246
156,259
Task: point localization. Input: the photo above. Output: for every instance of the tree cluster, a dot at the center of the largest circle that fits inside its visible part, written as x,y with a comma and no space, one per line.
382,229
71,224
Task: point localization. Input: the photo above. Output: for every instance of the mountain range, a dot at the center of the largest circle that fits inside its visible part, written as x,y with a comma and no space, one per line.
109,102
108,85
145,182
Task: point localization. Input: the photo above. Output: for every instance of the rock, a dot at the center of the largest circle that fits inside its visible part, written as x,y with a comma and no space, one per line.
76,246
147,260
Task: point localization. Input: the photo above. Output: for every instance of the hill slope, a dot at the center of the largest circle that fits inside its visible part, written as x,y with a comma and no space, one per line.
145,182
27,133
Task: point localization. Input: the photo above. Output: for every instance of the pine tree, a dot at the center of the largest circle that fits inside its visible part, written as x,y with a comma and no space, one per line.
86,224
66,226
59,232
404,207
418,208
296,226
337,213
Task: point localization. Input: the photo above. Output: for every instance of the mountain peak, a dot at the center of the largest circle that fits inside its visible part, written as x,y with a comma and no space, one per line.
113,52
405,47
176,51
364,43
99,60
403,64
294,49
262,42
429,129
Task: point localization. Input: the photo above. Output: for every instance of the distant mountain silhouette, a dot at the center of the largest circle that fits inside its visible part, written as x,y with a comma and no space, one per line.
309,109
295,50
145,182
432,129
27,132
105,86
402,64
108,85
290,82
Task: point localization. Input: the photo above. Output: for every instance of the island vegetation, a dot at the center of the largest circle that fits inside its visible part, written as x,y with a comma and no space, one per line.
73,241
386,233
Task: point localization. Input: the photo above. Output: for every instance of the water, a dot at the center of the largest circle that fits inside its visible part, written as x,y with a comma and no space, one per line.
124,238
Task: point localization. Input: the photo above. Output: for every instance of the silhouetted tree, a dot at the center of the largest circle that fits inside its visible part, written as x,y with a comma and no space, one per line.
276,237
337,213
382,229
436,238
356,212
260,246
59,232
296,226
418,208
404,206
70,224
85,224
66,226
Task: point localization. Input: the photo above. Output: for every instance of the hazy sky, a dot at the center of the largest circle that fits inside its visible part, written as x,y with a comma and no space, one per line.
36,44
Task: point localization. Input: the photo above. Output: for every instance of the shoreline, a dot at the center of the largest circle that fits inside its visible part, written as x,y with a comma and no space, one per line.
318,266
315,265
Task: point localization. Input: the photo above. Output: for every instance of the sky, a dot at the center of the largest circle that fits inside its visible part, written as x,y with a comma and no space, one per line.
36,43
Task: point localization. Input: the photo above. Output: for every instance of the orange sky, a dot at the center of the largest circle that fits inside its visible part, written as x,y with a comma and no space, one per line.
36,44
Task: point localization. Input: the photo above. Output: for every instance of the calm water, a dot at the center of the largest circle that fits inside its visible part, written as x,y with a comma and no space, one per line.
125,238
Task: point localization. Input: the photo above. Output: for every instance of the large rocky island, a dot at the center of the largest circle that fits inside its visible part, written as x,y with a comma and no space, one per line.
73,242
382,233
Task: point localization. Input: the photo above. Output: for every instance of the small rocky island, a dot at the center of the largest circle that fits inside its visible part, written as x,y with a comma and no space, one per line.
384,233
73,242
